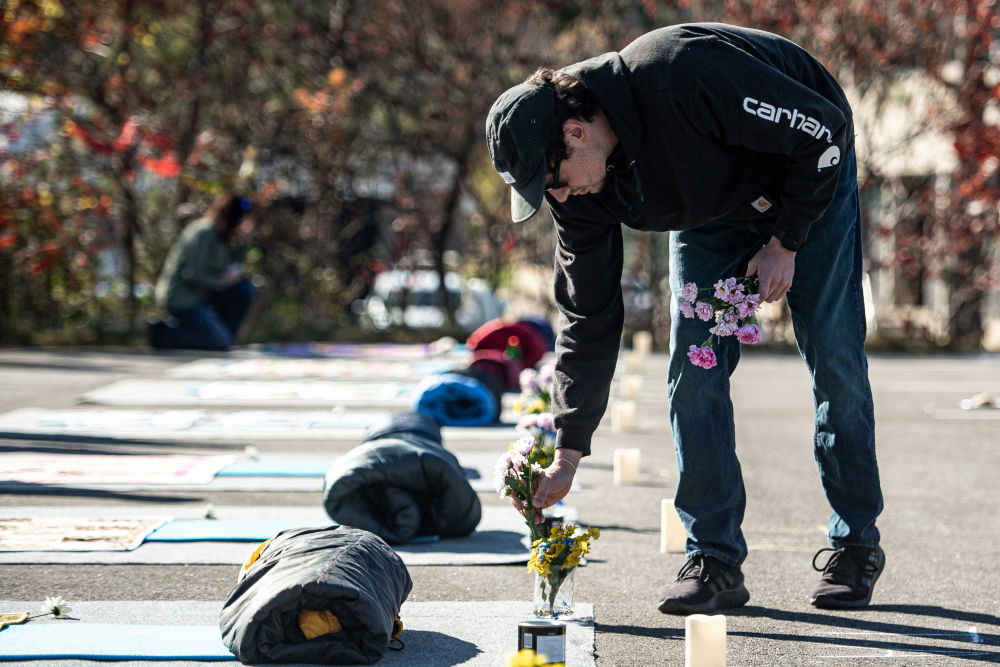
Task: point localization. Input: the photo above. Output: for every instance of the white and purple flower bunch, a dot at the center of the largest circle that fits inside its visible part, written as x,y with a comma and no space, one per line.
536,390
516,472
541,427
732,305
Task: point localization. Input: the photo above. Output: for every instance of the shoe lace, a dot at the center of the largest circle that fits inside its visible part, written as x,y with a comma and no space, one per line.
842,563
694,568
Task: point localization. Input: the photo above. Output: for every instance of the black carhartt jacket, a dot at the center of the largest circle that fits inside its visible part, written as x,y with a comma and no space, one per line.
714,122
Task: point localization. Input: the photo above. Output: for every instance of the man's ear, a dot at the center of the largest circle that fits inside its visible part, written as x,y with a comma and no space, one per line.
574,131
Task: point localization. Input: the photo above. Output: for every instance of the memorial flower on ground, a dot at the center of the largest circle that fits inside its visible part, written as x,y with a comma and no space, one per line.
553,560
54,606
731,304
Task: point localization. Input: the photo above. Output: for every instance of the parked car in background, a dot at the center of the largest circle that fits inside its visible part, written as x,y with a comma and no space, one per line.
411,299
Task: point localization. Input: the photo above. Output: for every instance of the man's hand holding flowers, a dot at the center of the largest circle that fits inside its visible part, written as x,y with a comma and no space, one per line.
555,481
534,476
774,266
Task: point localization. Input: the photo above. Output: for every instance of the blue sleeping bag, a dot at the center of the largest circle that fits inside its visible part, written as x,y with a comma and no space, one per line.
465,398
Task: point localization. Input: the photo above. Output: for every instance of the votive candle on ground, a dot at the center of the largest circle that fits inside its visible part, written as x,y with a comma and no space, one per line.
673,535
642,343
622,416
705,641
632,362
631,386
626,466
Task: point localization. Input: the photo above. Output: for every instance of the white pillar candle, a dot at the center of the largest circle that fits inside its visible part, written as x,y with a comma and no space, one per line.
626,466
673,535
631,386
642,343
622,416
632,362
705,641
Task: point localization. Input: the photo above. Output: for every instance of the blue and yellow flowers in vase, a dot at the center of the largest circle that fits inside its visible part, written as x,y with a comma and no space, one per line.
554,560
556,552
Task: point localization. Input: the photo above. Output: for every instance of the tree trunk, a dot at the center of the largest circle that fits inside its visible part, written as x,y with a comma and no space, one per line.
448,217
190,131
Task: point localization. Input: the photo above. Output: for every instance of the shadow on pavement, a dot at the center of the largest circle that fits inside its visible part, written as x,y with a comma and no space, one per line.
975,642
83,365
846,621
93,444
13,488
640,631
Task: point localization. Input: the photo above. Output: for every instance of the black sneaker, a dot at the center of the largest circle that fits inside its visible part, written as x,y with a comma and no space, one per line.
849,577
704,584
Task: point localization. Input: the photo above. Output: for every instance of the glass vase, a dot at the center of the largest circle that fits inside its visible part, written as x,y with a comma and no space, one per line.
553,593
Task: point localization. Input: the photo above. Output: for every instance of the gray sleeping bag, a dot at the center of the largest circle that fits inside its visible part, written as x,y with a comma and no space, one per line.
349,572
402,484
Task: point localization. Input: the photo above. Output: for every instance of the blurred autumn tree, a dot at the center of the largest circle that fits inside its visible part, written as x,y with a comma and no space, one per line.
348,118
160,106
359,126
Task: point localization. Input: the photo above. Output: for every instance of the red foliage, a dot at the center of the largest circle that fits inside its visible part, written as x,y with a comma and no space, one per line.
97,145
164,167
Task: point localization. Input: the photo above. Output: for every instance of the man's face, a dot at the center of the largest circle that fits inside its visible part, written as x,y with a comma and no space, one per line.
583,172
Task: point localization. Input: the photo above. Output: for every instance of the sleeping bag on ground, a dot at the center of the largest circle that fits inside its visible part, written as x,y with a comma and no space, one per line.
326,595
461,398
401,424
497,335
506,371
402,487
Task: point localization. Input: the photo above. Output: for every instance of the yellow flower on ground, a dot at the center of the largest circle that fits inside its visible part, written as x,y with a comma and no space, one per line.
527,658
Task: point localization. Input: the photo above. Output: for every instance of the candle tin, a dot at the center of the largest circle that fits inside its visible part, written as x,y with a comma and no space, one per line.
546,638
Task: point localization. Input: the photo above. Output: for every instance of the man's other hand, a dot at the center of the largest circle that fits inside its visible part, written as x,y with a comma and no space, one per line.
774,266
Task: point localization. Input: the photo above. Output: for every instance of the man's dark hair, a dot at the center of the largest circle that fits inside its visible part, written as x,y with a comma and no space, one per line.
230,209
573,100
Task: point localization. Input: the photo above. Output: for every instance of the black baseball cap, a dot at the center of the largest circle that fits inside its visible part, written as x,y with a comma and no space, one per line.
517,133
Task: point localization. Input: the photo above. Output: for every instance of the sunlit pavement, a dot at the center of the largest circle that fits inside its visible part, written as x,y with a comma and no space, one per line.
938,601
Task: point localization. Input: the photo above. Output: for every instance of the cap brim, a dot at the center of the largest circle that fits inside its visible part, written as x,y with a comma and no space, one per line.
526,200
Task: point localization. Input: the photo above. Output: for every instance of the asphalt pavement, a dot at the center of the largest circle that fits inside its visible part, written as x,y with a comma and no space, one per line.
937,603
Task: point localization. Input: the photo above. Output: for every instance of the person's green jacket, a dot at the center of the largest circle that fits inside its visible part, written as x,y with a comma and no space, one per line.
195,266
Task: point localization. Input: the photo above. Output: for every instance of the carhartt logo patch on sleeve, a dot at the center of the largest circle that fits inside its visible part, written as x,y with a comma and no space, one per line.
507,177
830,157
761,204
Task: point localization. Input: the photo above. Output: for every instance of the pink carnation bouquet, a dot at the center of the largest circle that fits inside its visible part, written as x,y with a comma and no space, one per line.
732,305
